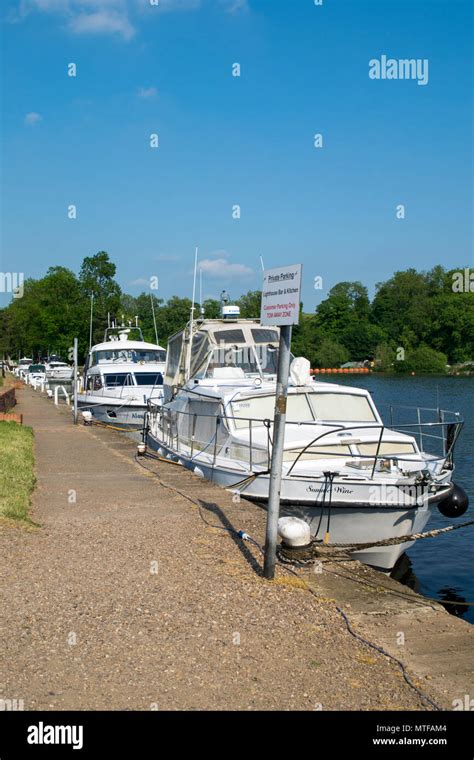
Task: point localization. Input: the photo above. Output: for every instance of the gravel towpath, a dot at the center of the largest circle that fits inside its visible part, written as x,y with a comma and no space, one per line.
125,598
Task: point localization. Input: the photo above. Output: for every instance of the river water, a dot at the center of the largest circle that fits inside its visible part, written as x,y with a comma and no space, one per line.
441,567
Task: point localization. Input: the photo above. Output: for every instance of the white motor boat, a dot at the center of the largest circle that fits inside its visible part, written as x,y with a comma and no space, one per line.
120,376
58,371
21,370
36,374
351,476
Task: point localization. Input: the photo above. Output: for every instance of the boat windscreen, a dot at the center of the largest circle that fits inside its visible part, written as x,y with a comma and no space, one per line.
262,335
135,355
341,407
263,407
234,335
118,380
149,378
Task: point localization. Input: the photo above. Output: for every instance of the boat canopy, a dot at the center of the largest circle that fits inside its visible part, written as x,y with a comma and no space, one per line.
219,344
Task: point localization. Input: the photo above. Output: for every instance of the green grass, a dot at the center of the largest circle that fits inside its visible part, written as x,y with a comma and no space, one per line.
17,478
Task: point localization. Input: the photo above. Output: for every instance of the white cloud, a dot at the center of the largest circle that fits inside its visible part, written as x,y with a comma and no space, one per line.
140,281
110,17
235,6
221,268
147,92
32,118
103,22
172,5
85,16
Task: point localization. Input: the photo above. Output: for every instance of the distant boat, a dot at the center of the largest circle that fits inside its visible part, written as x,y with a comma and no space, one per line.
120,376
36,373
23,365
58,370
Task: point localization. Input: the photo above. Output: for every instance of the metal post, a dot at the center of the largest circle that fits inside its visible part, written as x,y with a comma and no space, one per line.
277,451
154,318
90,327
75,381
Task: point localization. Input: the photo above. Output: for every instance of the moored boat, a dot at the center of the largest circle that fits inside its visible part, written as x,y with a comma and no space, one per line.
120,376
57,370
353,477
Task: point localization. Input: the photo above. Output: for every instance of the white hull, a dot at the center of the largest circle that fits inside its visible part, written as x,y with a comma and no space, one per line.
122,413
60,375
360,512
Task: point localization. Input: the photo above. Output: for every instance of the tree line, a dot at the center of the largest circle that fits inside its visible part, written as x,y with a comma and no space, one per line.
416,321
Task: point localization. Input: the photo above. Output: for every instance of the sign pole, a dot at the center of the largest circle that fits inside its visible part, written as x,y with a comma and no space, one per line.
280,306
75,381
273,512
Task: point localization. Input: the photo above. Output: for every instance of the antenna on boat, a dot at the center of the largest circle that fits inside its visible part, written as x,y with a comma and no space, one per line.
108,319
90,326
154,318
200,294
191,320
262,264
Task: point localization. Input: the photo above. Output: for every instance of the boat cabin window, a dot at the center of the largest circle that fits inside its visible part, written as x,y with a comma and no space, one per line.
118,380
263,407
37,368
268,357
229,336
341,407
149,378
136,355
393,448
94,383
233,356
149,355
306,407
264,336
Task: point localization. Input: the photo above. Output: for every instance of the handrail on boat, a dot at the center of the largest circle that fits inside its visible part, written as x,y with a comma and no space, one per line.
335,428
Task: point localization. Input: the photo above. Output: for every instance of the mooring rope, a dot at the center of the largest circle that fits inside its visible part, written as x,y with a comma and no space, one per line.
306,554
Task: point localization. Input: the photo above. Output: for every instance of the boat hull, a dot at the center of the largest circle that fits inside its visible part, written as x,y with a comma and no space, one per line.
56,375
358,513
109,412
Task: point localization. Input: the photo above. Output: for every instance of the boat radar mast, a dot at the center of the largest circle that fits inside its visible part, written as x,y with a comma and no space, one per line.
228,310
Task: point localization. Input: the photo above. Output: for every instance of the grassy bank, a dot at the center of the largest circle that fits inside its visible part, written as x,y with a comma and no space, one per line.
17,477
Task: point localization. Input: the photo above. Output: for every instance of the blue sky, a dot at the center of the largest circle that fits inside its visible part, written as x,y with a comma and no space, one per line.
227,140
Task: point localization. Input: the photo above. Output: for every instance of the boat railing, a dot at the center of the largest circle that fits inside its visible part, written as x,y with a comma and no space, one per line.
178,428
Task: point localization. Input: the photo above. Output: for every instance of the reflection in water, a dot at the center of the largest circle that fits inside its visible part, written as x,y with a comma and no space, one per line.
403,573
443,565
452,601
451,596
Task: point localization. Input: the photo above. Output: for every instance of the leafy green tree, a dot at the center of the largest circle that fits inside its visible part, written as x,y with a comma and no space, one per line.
250,304
48,316
347,302
423,360
331,354
402,307
212,308
385,356
96,278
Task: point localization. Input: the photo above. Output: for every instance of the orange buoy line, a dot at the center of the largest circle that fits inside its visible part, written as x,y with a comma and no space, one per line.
340,371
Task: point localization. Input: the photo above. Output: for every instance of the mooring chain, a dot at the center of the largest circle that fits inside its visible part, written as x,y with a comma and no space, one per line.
307,554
